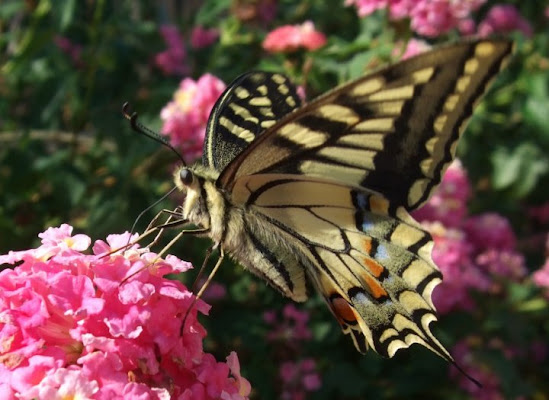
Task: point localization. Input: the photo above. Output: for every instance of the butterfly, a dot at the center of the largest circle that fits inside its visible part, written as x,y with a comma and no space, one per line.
323,191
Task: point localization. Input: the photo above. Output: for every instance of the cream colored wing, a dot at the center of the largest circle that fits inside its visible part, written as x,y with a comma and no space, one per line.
394,131
370,260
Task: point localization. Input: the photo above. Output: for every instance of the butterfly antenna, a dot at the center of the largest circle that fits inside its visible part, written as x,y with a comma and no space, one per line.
149,208
142,129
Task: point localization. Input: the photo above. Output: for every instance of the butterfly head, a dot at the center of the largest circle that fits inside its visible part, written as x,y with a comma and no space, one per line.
189,185
194,182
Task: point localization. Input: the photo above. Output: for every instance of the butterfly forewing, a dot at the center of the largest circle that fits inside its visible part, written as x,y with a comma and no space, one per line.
394,131
248,107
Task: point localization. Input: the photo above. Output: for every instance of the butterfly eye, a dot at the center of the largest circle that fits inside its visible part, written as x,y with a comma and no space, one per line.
186,176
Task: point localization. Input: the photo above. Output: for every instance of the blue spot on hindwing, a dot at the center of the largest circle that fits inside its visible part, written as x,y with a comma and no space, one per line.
361,201
381,252
367,225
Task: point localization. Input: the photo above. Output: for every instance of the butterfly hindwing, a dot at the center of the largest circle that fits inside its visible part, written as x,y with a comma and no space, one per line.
250,105
394,131
371,262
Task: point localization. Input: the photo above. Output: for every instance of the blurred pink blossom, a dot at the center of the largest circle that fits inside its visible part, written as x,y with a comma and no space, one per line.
74,51
502,263
473,253
427,17
541,276
453,255
299,379
292,328
540,213
503,18
413,48
289,38
202,37
467,26
185,117
103,325
214,292
491,387
172,61
490,230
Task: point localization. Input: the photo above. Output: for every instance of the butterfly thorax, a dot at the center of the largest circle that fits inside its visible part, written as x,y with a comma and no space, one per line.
260,247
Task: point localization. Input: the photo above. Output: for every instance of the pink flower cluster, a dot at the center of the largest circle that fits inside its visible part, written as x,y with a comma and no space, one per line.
74,51
202,37
172,61
427,17
293,326
435,17
541,276
473,252
185,117
299,379
104,326
413,48
504,18
289,38
491,386
464,354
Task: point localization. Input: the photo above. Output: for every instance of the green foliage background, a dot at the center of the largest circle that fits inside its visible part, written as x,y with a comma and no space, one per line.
67,155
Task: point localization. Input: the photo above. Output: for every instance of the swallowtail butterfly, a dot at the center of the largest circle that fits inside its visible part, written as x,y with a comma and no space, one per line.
324,190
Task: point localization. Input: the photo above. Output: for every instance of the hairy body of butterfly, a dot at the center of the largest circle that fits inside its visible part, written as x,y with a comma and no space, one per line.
324,190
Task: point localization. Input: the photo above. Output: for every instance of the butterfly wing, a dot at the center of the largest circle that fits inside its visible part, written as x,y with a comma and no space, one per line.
394,131
251,104
370,260
337,178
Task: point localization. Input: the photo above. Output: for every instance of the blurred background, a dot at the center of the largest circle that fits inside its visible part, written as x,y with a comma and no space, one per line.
67,155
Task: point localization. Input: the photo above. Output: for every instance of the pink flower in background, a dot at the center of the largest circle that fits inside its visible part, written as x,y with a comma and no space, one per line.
289,38
293,326
504,18
433,18
367,7
491,386
473,252
427,17
541,276
185,117
467,26
74,51
539,213
172,61
490,230
453,255
78,325
449,202
502,263
202,37
413,48
299,379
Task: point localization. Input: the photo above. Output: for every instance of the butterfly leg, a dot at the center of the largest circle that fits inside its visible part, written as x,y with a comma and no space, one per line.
208,280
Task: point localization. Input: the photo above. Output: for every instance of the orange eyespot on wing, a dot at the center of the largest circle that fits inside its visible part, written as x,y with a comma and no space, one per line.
342,310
